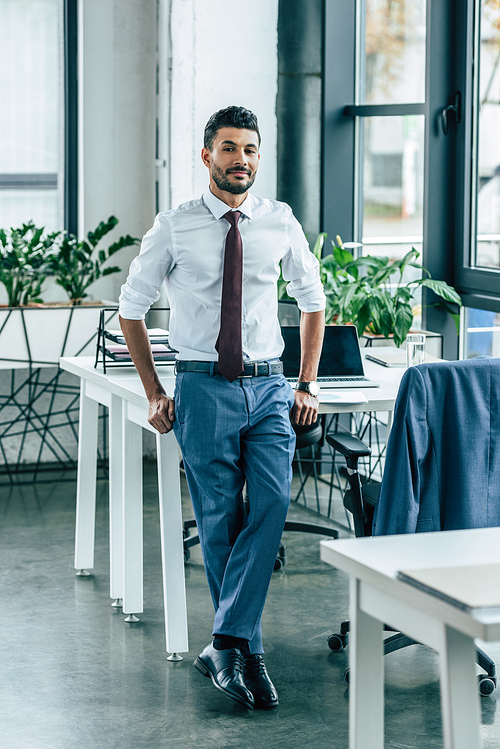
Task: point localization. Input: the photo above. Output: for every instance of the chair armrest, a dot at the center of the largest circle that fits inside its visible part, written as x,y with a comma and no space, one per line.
352,449
348,445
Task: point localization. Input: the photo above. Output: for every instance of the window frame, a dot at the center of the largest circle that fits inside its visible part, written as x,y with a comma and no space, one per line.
68,200
478,287
447,159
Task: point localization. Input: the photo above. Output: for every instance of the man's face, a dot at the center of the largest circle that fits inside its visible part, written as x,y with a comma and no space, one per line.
233,160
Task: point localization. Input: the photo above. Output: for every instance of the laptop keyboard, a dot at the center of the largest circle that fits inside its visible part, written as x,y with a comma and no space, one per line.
352,381
357,378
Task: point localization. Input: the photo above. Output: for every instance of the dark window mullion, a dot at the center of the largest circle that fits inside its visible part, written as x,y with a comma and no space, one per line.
70,117
337,216
479,280
28,181
383,110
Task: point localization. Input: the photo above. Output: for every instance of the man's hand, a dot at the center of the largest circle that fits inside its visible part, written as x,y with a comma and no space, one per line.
161,408
161,413
305,410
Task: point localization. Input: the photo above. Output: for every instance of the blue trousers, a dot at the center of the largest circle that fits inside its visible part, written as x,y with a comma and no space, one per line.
229,434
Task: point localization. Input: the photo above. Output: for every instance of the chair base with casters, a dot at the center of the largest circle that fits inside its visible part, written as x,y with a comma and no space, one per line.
306,437
281,560
360,499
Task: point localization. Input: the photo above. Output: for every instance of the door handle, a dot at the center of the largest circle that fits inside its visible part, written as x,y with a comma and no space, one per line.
454,110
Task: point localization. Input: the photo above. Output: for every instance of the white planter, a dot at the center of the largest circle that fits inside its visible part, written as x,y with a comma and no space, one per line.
39,336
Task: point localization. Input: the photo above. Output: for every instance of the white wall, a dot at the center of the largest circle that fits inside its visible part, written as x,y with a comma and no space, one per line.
117,100
212,54
221,53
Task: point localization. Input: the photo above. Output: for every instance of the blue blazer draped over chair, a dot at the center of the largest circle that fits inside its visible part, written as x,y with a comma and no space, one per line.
442,468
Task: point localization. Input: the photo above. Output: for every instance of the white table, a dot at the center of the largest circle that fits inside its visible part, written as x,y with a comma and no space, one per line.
377,597
121,391
379,398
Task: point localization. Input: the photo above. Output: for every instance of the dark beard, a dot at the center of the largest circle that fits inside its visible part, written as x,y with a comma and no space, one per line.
223,183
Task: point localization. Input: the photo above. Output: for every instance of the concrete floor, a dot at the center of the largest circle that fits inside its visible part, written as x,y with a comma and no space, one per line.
74,675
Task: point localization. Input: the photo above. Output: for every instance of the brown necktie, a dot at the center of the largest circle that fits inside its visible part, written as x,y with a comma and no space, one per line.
228,343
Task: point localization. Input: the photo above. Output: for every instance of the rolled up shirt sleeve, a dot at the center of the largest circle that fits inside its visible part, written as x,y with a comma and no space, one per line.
147,271
301,269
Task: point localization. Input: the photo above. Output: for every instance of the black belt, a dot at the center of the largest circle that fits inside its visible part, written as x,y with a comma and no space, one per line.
254,369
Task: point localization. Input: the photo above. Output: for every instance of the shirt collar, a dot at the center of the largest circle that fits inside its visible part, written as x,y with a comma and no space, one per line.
218,208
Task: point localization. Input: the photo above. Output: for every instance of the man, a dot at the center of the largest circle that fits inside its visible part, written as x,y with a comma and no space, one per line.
219,257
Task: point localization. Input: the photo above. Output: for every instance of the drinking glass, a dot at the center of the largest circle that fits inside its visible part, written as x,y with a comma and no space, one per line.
415,349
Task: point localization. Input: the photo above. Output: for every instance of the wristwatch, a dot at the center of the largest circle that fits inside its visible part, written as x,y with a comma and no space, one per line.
310,387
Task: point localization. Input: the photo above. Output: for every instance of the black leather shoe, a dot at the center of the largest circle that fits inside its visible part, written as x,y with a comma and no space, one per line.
258,682
225,668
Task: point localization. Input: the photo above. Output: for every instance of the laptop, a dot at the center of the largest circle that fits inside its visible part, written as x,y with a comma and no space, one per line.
340,365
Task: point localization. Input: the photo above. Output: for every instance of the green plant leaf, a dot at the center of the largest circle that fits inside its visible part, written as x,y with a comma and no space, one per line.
451,310
317,249
363,318
103,228
78,264
111,269
405,293
342,257
409,259
403,320
441,288
126,241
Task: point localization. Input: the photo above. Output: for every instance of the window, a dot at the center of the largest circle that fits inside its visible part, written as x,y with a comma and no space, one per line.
485,226
391,195
392,51
35,153
418,104
482,333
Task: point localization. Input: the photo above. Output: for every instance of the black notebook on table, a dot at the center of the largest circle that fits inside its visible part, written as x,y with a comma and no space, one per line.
341,364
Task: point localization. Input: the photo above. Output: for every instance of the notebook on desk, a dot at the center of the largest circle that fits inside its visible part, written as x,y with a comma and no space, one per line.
469,588
341,364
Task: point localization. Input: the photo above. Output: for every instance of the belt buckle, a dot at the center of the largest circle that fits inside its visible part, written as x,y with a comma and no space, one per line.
255,372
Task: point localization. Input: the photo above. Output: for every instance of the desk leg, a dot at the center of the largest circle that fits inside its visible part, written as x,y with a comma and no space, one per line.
366,677
459,692
132,518
172,547
115,501
86,483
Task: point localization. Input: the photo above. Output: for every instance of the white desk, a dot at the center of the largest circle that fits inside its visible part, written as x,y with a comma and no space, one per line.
378,598
379,398
121,391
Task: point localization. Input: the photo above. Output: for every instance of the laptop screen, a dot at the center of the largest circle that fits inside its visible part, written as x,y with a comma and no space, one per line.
340,357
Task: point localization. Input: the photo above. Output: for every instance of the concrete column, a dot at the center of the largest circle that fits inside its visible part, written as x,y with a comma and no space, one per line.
300,35
221,54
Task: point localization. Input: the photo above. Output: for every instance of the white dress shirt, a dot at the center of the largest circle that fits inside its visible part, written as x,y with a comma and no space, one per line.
185,250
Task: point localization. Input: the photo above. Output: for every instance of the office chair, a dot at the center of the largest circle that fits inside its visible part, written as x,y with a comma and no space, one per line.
308,439
442,467
308,436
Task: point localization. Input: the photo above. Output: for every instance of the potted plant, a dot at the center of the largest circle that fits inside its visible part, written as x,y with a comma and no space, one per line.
23,266
77,264
370,293
37,333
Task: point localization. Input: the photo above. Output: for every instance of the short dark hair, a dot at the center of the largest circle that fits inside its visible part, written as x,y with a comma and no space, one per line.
238,117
